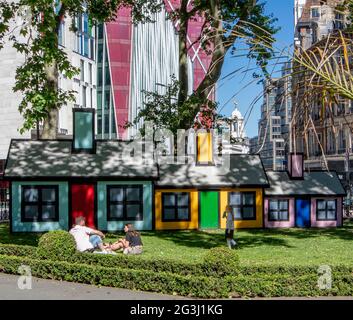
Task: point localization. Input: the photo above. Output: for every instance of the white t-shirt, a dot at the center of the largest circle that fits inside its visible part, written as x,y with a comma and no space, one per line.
81,235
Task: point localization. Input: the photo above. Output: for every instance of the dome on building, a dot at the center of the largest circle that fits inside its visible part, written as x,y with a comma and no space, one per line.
236,114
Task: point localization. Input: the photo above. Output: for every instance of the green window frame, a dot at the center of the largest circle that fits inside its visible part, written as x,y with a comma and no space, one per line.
40,203
124,199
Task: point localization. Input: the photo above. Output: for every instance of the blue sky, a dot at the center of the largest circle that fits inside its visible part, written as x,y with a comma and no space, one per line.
234,84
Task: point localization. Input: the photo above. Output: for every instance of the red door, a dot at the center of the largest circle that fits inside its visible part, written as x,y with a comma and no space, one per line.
82,203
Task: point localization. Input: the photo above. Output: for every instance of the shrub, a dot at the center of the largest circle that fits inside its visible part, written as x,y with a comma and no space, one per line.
56,245
163,282
138,263
17,250
221,261
269,285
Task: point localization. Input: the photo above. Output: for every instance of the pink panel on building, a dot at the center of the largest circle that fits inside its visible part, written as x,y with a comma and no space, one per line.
119,36
280,224
295,165
326,224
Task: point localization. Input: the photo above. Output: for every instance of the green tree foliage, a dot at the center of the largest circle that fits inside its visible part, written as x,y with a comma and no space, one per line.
32,27
226,24
37,38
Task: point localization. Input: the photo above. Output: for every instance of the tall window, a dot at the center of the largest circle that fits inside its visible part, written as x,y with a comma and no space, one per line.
315,12
278,210
326,210
39,203
125,202
90,77
176,206
84,96
61,34
243,205
84,37
82,70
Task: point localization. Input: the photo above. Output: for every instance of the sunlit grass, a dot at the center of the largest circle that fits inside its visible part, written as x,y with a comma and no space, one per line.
262,247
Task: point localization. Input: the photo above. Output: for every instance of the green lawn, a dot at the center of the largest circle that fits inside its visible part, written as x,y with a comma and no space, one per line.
292,246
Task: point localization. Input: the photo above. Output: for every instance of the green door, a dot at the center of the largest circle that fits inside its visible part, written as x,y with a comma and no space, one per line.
209,209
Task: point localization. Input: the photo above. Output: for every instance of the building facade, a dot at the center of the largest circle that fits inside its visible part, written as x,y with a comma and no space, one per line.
81,50
137,58
327,144
273,140
234,126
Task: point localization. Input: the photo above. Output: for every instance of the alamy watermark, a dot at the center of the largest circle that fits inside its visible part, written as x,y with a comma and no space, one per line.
324,281
24,281
163,147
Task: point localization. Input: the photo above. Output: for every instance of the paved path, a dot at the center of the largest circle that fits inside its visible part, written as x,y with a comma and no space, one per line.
43,289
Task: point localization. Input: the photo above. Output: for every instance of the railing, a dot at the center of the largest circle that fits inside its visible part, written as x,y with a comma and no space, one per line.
4,204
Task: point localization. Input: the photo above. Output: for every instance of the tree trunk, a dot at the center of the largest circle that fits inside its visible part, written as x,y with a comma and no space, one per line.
215,69
50,123
218,55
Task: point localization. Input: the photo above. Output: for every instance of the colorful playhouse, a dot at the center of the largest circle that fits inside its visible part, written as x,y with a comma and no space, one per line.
54,181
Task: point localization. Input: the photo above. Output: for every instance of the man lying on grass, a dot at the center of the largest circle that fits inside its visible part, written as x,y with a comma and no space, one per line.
89,240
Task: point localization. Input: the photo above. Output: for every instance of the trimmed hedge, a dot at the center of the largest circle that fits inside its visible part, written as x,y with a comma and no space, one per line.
276,285
58,244
17,250
163,282
221,260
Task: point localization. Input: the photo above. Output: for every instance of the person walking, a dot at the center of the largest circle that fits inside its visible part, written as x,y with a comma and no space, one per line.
229,235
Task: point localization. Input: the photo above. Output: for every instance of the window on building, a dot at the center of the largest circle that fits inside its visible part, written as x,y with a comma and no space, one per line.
315,12
84,99
82,70
125,202
85,43
342,141
278,210
243,205
90,76
61,34
39,203
176,206
341,107
351,107
339,21
326,210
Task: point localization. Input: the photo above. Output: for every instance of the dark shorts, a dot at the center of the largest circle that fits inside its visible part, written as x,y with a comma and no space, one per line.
229,234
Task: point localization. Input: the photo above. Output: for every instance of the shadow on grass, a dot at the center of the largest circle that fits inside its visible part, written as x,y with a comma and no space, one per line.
30,239
209,239
252,237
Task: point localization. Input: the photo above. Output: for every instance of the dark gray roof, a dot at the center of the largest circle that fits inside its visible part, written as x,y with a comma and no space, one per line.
36,159
314,183
243,170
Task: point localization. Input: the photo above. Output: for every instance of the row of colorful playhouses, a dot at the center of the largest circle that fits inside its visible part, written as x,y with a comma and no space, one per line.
54,181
